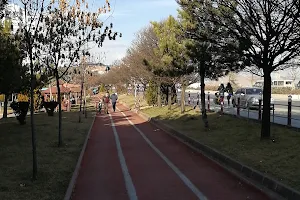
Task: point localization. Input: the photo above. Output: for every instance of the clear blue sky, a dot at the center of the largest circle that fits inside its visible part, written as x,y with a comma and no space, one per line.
128,17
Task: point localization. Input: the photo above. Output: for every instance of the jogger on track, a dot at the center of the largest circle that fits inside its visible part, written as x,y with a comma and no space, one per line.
114,98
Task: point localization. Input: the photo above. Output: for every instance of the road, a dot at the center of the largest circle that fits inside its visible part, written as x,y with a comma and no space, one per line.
129,158
280,112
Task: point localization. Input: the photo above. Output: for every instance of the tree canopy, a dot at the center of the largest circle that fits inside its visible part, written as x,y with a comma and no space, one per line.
2,6
171,49
268,31
13,74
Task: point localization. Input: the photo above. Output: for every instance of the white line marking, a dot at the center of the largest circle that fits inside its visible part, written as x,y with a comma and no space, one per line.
185,179
128,181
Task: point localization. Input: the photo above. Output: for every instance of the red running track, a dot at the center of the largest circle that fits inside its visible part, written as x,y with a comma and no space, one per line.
127,158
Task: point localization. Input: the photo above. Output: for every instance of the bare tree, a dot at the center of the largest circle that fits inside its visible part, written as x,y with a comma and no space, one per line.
294,73
63,32
132,67
51,34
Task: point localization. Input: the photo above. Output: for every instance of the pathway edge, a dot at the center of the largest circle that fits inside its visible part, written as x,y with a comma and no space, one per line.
72,182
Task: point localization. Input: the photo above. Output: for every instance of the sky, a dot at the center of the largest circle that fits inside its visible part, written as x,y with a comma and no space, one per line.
128,17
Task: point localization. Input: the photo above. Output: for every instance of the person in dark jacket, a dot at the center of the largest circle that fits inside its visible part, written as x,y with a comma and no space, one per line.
229,90
222,91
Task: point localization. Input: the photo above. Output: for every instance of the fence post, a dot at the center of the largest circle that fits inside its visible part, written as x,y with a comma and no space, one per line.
259,109
238,107
208,101
248,109
289,120
273,113
222,105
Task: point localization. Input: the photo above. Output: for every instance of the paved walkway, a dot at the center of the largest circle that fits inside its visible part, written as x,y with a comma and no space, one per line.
128,158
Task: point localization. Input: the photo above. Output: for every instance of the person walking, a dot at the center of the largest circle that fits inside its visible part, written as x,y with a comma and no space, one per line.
229,90
106,102
100,105
198,101
114,98
221,90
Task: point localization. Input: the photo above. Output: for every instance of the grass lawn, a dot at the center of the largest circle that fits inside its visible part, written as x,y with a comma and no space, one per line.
55,165
130,100
240,139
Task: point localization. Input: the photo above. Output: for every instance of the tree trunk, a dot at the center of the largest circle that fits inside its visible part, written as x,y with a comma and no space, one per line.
265,127
32,124
173,94
84,103
169,97
159,95
5,106
203,108
80,107
182,98
59,109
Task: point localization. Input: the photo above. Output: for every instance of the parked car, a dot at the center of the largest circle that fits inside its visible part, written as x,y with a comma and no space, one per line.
249,97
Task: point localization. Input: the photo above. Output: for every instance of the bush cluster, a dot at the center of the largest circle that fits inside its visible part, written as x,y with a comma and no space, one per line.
151,94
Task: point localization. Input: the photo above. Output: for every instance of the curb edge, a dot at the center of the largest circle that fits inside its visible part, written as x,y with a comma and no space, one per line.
71,186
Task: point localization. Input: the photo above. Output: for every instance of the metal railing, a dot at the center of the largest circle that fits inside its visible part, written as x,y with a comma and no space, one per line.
289,112
284,114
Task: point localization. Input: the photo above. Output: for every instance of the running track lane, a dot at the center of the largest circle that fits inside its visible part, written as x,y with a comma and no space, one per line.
100,176
152,177
213,181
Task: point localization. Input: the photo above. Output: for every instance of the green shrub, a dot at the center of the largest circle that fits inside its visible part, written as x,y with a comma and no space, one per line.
102,88
50,107
20,110
151,94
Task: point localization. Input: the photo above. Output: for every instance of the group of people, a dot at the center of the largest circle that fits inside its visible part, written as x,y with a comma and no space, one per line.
105,100
222,89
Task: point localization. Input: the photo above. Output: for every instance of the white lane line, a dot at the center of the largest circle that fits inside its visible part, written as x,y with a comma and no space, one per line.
128,181
185,179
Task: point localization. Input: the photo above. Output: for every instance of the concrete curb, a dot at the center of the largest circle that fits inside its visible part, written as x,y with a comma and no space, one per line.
272,188
72,182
